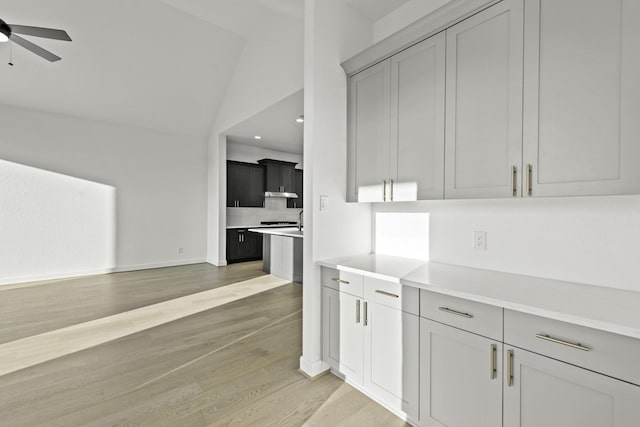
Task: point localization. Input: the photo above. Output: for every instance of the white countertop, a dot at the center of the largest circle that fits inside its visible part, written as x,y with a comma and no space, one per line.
280,231
607,309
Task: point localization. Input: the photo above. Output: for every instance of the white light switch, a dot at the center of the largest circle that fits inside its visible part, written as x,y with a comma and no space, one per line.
324,203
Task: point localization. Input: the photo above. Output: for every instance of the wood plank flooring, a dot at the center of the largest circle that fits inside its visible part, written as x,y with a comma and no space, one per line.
232,365
47,306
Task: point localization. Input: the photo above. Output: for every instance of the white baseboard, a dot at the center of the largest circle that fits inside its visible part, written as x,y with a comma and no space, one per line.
176,263
313,369
22,280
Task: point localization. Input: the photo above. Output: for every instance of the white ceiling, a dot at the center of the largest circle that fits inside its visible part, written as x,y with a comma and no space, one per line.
276,125
160,64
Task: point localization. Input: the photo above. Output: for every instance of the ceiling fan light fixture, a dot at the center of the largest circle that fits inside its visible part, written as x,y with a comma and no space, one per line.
5,32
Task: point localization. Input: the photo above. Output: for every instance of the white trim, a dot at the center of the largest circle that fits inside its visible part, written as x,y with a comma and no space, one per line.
313,369
22,281
436,21
149,266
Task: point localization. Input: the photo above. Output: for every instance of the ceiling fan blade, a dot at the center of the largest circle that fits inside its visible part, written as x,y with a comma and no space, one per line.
35,48
47,33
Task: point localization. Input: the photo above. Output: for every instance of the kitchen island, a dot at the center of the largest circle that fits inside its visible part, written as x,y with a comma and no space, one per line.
282,252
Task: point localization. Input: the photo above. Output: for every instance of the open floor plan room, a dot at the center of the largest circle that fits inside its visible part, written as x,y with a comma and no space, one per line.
234,364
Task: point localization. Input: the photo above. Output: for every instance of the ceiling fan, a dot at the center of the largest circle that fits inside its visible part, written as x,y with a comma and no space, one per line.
10,32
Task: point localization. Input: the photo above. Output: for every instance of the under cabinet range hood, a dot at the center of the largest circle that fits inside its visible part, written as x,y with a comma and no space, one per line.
280,194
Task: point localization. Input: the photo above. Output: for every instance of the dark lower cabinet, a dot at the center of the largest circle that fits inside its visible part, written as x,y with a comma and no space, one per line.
297,188
243,245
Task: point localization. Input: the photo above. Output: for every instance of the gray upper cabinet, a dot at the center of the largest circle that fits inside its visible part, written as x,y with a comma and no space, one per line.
484,103
369,101
536,98
582,97
396,126
417,120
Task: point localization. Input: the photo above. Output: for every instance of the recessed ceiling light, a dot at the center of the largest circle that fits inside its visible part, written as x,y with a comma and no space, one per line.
300,119
257,137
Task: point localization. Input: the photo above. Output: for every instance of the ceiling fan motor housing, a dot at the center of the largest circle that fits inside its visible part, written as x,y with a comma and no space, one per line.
5,28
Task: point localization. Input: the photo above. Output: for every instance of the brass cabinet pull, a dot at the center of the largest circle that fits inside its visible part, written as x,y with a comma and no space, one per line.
340,281
509,368
493,368
384,191
563,342
357,311
514,181
529,173
389,294
457,313
366,317
391,190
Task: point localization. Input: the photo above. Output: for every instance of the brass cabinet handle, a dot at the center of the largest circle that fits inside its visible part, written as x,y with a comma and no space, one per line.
384,191
529,173
366,317
389,294
563,342
457,313
391,190
514,181
493,368
509,368
340,281
357,311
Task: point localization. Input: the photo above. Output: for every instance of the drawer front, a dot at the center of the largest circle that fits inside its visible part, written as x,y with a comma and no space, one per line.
610,354
394,295
343,281
481,319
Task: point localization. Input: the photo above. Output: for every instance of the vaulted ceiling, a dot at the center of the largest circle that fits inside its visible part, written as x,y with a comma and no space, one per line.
160,64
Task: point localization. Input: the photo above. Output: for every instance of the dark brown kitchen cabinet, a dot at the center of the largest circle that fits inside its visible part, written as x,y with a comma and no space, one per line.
297,188
243,245
245,185
280,175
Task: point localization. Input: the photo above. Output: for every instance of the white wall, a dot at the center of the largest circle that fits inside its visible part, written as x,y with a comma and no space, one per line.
592,240
333,33
159,181
53,224
406,14
269,70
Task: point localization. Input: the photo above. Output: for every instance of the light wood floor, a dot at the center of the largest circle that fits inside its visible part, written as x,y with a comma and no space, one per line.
233,365
47,306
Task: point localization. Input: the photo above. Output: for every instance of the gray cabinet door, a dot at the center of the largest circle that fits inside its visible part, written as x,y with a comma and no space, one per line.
460,378
368,146
391,354
417,119
343,335
581,99
484,103
546,392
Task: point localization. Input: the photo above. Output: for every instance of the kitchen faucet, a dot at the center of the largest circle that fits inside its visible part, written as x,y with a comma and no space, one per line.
300,221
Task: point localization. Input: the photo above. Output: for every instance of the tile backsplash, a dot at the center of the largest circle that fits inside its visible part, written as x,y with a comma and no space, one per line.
275,210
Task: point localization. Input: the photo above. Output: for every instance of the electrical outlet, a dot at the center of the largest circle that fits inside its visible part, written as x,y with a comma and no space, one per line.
480,240
324,203
180,250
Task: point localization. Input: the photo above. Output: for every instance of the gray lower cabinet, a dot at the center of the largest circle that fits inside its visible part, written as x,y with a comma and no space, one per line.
370,341
460,378
546,392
